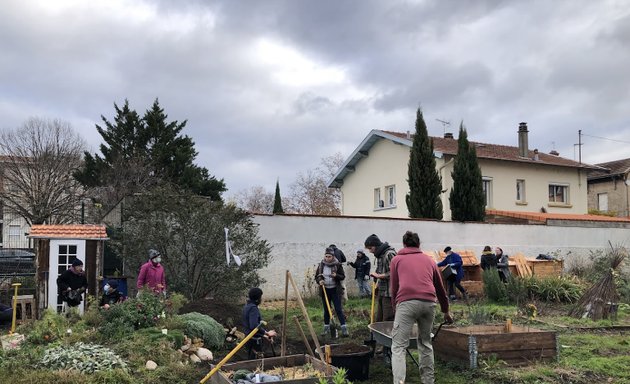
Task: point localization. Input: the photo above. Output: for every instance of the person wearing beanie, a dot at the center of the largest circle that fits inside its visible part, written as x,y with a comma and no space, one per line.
454,260
339,255
329,276
416,286
151,274
384,254
71,285
362,273
111,294
251,319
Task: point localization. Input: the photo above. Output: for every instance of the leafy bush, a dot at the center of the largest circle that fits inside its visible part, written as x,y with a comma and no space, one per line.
51,327
554,289
205,328
143,312
174,303
493,287
516,290
85,358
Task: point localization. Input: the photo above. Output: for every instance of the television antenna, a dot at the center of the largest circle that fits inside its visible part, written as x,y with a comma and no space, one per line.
445,123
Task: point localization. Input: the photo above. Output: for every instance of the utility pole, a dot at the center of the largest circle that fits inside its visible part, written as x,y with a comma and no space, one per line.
444,124
580,146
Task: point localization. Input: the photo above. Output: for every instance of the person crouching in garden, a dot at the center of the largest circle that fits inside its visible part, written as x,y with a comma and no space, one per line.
329,276
416,284
111,295
362,274
251,319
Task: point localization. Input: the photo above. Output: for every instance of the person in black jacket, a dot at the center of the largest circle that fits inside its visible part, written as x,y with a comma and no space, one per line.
71,284
362,273
488,259
251,319
111,295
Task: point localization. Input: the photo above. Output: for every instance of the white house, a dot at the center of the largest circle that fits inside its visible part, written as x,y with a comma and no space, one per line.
373,180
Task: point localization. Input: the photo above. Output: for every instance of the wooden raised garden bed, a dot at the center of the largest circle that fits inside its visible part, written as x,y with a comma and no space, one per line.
266,365
519,346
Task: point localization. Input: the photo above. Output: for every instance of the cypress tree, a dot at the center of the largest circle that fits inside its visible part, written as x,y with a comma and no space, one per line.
277,202
468,202
425,185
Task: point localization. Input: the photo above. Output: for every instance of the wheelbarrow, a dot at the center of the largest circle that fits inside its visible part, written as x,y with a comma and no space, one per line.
382,334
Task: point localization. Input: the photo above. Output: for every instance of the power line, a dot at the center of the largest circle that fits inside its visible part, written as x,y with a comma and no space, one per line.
605,138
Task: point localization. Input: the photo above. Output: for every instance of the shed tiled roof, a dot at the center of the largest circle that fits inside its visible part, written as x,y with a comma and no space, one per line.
612,168
69,231
543,217
499,152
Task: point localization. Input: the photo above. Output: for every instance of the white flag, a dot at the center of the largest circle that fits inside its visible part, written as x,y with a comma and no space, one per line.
228,250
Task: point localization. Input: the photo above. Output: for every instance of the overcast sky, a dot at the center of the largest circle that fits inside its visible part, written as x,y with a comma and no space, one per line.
271,87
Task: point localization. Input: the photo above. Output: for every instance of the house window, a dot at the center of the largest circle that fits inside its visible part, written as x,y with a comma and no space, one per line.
487,190
390,194
378,201
602,202
558,194
520,191
14,235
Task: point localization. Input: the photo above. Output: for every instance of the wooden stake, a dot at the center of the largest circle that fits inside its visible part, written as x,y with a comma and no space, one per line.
283,345
304,339
305,313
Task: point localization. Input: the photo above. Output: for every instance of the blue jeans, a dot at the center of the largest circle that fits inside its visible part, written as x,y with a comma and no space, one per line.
364,287
336,301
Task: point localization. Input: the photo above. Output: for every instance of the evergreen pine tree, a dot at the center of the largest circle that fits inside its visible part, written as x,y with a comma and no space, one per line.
277,203
425,185
467,199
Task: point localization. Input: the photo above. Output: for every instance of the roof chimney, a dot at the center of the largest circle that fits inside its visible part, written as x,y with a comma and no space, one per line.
448,135
554,152
522,140
536,158
408,135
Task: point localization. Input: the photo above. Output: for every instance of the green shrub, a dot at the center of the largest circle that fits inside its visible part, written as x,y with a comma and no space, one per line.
554,289
493,287
52,327
174,303
205,328
516,290
85,358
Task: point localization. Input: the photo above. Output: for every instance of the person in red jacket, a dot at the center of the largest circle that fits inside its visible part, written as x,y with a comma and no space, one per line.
152,274
415,286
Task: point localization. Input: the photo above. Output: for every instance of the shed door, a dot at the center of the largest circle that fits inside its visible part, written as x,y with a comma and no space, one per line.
62,254
602,202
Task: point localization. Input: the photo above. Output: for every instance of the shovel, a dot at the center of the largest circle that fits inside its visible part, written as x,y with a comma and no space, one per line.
333,324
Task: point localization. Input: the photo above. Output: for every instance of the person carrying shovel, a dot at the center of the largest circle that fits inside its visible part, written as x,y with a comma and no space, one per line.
251,320
329,276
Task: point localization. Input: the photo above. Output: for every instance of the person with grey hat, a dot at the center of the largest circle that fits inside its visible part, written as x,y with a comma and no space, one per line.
152,273
362,268
71,284
384,254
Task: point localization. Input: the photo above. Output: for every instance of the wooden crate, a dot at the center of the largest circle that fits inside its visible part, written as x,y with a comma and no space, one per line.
221,376
520,346
546,268
473,288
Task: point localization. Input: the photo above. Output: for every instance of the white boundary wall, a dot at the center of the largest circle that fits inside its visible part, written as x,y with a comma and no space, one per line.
298,242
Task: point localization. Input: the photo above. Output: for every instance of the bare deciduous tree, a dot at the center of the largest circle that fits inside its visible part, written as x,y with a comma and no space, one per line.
255,200
37,167
309,194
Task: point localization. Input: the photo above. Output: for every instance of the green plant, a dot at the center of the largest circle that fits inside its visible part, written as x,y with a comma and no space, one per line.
493,287
205,328
85,358
516,290
174,303
143,312
338,378
52,327
554,289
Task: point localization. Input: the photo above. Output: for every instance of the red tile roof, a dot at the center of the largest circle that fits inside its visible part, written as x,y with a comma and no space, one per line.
543,217
499,152
69,231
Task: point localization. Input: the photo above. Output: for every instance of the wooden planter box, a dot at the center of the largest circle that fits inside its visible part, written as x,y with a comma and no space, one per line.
521,346
221,376
546,268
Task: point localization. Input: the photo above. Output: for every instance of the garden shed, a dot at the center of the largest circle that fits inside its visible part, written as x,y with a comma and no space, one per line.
56,247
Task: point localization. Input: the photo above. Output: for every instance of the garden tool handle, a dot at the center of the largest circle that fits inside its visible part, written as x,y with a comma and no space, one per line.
229,355
327,302
374,285
16,285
